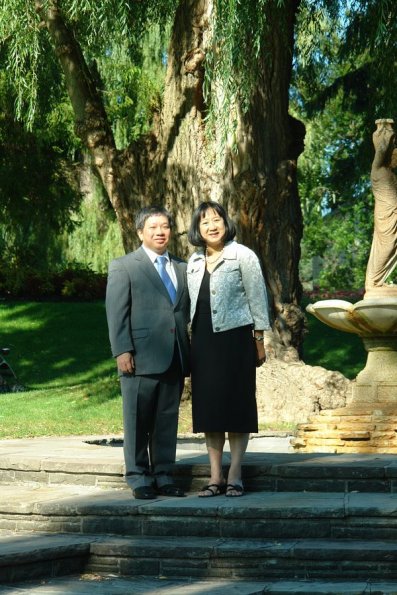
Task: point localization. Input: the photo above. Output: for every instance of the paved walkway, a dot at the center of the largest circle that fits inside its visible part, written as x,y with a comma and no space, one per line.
108,448
99,460
96,585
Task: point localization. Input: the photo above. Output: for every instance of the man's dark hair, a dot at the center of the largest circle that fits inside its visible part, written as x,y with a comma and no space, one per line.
146,212
194,235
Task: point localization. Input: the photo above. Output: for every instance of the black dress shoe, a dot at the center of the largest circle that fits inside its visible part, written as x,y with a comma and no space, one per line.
170,490
144,493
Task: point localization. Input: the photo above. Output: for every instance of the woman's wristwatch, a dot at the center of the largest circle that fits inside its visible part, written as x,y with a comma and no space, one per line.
258,337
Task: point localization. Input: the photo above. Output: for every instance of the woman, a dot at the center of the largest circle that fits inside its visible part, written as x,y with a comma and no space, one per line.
229,313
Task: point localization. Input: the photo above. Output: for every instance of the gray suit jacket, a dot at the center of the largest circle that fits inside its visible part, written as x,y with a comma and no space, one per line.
141,317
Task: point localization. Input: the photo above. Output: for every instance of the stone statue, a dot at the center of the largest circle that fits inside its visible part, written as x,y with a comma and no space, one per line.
383,255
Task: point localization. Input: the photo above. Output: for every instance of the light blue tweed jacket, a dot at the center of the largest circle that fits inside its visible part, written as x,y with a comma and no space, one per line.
237,289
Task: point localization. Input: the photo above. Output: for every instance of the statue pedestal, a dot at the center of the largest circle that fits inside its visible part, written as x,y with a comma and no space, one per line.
368,424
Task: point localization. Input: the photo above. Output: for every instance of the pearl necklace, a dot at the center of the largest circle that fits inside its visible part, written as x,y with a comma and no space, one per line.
214,260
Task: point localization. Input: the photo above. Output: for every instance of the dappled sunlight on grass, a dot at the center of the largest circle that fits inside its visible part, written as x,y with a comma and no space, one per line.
19,315
60,351
56,343
63,364
60,411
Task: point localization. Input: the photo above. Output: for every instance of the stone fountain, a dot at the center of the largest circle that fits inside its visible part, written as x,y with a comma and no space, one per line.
368,423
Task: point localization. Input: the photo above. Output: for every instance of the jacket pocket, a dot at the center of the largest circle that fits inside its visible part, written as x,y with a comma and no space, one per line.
229,267
140,333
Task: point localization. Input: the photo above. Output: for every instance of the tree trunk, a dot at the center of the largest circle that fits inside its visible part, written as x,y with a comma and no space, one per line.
175,165
265,194
258,184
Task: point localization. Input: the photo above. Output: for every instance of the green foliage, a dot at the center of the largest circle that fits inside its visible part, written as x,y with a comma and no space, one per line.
132,92
371,31
95,238
336,198
348,243
99,26
344,70
240,31
73,282
20,37
42,226
337,92
38,189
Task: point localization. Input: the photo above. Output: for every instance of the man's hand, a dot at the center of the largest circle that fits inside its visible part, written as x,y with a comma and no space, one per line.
125,363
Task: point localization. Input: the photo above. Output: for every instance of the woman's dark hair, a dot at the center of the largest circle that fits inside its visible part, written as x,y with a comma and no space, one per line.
194,235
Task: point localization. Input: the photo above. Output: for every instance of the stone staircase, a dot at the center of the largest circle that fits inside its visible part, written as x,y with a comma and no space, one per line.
309,524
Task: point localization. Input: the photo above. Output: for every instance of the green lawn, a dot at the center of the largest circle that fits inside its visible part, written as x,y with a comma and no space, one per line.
60,352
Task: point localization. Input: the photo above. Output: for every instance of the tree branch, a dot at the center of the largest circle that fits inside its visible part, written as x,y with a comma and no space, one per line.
91,123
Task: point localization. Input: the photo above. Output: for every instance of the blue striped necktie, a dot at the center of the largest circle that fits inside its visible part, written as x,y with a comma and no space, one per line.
166,279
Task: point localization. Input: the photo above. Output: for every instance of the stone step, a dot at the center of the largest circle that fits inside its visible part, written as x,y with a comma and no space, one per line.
102,584
272,472
308,521
233,559
244,559
80,511
25,557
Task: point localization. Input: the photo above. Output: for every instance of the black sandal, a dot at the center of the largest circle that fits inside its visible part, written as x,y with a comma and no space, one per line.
215,489
234,487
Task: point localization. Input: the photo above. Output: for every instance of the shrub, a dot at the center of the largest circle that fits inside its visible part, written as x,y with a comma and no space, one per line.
75,282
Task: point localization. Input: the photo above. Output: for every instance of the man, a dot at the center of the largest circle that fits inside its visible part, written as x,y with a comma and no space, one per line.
147,308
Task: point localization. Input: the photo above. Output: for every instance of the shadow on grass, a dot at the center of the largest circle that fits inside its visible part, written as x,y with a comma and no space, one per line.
66,344
56,343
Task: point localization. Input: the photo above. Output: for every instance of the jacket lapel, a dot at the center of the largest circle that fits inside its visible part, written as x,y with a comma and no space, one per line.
147,268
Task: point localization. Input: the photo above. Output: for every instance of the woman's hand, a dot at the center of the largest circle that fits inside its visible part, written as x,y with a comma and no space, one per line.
261,352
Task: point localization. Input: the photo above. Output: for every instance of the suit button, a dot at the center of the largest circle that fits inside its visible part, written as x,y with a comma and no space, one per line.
217,328
214,311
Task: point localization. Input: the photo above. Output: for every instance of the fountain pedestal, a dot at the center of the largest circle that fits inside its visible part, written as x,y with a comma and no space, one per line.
377,382
369,421
368,424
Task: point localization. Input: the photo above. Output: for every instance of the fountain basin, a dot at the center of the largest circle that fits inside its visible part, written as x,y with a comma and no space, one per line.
369,317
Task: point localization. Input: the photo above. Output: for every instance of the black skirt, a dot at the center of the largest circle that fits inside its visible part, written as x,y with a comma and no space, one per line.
223,373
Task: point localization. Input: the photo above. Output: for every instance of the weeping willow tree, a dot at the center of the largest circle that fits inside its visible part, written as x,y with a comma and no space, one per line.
222,129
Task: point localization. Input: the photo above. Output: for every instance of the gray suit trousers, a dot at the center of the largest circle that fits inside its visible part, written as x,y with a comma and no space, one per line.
150,417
